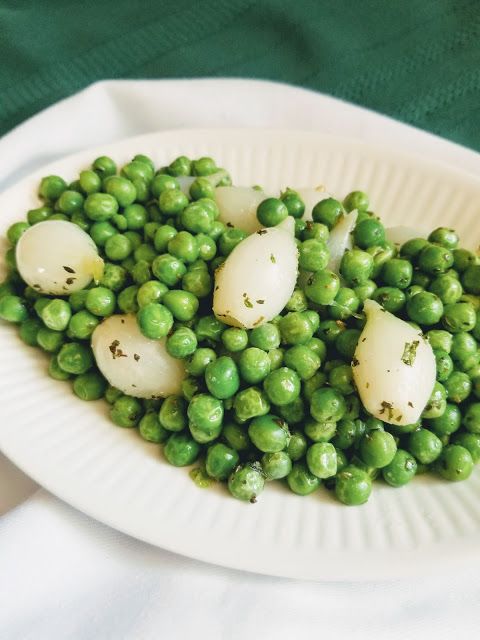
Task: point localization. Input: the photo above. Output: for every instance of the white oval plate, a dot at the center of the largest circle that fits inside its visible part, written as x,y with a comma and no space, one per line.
72,449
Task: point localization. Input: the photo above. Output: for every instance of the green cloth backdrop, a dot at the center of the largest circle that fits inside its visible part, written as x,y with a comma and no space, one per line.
415,60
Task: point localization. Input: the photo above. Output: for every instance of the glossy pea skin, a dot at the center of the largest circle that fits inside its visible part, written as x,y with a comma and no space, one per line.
377,448
301,481
444,364
197,218
425,445
221,461
75,358
295,205
271,212
13,309
51,187
246,483
268,433
447,288
56,314
181,343
348,433
327,405
397,273
436,404
471,442
435,259
89,386
401,469
222,378
458,386
28,331
100,301
276,465
356,267
460,316
198,361
181,166
235,339
254,365
313,255
126,412
205,414
425,308
181,450
209,328
302,360
471,418
353,486
322,287
315,231
455,463
249,403
320,431
322,460
341,378
173,413
183,305
236,436
82,324
265,337
168,269
100,207
327,212
184,246
151,291
282,386
440,339
151,430
369,233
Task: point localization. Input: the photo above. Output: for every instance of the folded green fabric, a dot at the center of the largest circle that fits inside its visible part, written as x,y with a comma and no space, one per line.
415,60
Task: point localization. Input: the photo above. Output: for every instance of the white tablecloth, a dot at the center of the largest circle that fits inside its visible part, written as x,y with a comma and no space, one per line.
63,575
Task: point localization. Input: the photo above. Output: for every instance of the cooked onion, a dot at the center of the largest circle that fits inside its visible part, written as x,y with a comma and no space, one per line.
393,367
257,279
238,206
58,257
340,240
132,363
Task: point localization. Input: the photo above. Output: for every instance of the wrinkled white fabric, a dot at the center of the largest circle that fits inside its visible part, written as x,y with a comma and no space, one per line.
64,575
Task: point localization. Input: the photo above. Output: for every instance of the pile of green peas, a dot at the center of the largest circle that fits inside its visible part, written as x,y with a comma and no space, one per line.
277,402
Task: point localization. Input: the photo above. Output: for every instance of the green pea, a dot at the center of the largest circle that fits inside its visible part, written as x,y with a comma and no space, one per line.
459,316
348,433
353,486
369,233
346,342
127,299
435,259
197,218
315,231
327,405
301,481
75,358
276,465
221,461
119,221
70,202
282,386
197,282
295,328
198,361
235,339
221,377
302,360
209,328
424,445
139,170
101,232
151,430
82,324
104,166
182,304
249,403
421,280
297,446
397,273
122,189
341,378
327,212
455,463
181,450
440,339
181,166
100,207
356,200
444,364
181,343
184,246
458,386
313,255
236,436
205,414
437,402
295,205
265,337
356,267
322,460
163,182
462,259
365,290
15,231
50,340
268,433
446,423
246,483
229,240
173,413
391,298
55,372
297,302
89,386
377,448
154,320
471,418
100,301
425,308
471,442
447,288
345,304
320,431
322,287
254,365
51,187
13,309
168,269
118,247
294,412
400,470
204,166
28,331
90,181
444,237
38,215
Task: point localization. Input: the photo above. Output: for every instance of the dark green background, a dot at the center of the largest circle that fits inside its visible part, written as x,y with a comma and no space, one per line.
416,60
